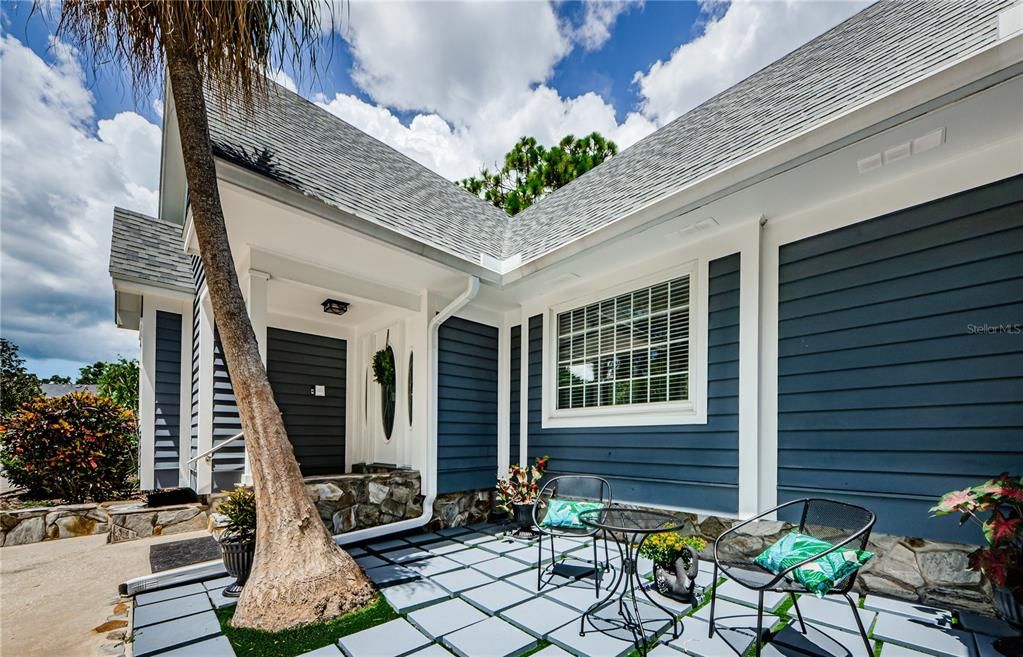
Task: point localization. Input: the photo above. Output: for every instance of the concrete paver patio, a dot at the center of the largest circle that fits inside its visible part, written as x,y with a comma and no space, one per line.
473,610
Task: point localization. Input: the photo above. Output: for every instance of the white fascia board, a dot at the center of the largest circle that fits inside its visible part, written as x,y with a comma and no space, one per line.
275,192
950,83
149,289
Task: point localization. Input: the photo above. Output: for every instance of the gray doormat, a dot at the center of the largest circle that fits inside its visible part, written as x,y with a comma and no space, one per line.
183,553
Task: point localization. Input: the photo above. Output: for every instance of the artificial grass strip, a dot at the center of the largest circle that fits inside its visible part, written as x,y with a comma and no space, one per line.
300,640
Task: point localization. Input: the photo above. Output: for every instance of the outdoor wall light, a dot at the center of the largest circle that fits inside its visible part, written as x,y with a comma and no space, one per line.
335,307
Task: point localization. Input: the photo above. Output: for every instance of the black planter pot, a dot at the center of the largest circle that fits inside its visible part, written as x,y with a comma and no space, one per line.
675,580
238,557
1010,610
523,517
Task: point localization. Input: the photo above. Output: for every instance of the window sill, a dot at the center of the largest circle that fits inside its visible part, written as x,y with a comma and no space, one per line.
635,418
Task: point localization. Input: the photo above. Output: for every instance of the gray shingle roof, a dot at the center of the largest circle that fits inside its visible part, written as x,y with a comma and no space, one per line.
315,152
881,48
145,250
875,51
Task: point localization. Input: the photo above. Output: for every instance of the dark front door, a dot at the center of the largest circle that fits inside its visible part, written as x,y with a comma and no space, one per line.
307,373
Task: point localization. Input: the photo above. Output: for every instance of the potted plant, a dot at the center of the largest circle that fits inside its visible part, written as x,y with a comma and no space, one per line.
676,563
517,492
997,506
238,540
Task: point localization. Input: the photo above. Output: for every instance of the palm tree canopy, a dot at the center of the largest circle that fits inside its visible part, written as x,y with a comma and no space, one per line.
236,43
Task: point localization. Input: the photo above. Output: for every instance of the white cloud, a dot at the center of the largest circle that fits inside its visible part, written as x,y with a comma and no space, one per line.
461,151
599,17
747,37
61,180
448,57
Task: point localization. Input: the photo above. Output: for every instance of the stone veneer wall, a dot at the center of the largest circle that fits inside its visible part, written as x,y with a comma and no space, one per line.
121,521
358,500
129,523
464,508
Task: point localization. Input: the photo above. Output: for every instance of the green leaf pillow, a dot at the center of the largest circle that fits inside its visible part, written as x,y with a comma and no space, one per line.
565,513
818,576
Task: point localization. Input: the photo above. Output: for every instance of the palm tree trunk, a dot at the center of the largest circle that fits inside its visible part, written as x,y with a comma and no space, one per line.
300,575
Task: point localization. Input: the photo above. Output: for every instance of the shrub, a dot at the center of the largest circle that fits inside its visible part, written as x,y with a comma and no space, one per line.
240,508
76,447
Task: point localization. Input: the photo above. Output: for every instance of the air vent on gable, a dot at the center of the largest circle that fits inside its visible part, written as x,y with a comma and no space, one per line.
902,151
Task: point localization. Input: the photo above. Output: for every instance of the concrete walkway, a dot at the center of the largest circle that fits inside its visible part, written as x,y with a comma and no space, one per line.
54,595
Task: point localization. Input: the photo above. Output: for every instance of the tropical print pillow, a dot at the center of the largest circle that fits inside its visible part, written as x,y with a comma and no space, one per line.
818,576
565,513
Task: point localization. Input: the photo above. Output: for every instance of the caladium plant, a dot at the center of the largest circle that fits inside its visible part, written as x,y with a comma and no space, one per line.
521,485
997,506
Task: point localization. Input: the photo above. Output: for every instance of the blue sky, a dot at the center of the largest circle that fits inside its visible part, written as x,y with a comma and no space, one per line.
451,85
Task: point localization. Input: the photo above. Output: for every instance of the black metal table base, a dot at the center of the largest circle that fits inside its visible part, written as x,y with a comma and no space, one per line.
627,578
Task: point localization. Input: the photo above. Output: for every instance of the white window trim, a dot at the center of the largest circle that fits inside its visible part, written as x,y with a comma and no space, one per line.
693,411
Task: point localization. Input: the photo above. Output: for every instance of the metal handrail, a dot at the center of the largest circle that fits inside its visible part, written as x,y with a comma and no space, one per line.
208,454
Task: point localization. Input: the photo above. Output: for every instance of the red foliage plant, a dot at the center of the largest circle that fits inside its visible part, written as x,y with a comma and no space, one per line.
76,447
1001,499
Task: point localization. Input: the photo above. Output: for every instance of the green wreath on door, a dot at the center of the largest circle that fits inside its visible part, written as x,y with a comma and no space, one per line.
384,374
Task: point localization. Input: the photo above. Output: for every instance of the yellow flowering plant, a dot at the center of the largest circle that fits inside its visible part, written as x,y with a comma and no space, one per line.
664,549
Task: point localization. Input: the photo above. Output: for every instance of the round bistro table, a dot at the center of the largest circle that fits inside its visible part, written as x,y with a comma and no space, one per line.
629,528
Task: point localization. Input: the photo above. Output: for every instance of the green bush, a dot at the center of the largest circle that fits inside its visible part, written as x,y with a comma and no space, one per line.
77,447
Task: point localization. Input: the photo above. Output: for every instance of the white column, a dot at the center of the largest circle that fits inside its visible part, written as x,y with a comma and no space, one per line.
147,397
751,454
524,389
203,469
256,299
503,397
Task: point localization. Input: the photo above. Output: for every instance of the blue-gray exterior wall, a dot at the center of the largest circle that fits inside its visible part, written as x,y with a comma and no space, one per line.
693,466
167,396
515,394
886,398
466,406
199,276
229,462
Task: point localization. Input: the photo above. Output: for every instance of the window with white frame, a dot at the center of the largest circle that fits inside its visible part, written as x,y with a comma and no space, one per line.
624,351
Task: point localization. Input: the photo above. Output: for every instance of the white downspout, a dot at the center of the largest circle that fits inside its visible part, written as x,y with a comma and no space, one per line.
429,474
213,568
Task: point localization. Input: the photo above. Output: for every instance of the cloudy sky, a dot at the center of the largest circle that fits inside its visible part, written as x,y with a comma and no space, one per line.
451,85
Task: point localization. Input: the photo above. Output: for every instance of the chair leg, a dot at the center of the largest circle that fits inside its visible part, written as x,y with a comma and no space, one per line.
795,605
859,624
596,571
760,620
539,563
713,599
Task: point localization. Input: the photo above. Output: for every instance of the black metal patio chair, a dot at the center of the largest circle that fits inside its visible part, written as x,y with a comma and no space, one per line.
586,488
839,523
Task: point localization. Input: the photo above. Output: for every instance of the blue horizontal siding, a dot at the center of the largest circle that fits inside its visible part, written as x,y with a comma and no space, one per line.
515,394
167,397
885,398
466,406
694,466
316,425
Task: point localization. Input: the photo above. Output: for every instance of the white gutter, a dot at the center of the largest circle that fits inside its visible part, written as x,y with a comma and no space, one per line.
429,475
209,569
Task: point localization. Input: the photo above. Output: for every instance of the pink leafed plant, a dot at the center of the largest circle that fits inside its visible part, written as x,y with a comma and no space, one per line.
997,506
521,485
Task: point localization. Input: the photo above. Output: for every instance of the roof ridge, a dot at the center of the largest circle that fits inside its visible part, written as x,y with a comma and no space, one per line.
147,217
334,117
724,92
